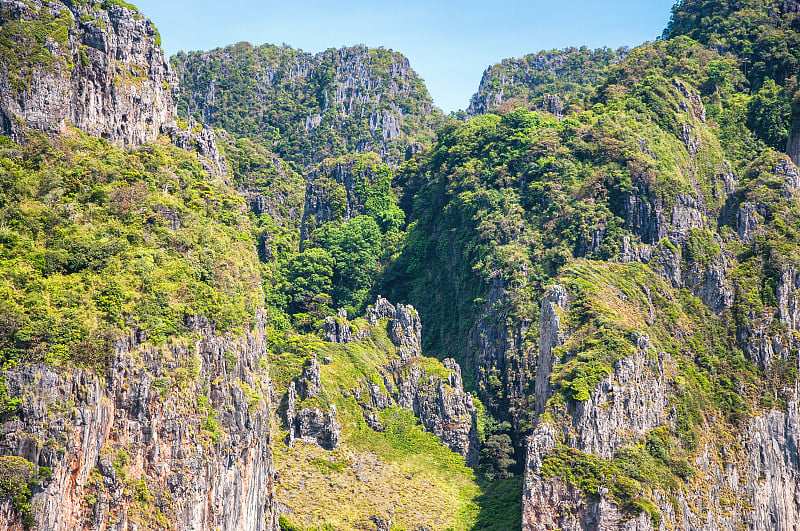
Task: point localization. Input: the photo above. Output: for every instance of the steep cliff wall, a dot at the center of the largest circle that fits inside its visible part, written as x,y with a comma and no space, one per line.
544,80
175,437
607,458
96,66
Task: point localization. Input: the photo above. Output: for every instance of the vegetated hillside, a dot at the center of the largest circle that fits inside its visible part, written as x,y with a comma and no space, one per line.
764,37
191,325
556,81
549,237
158,309
309,107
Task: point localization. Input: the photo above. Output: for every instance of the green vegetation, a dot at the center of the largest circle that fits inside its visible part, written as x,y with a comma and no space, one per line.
572,74
23,46
403,468
88,251
17,481
762,35
286,99
329,201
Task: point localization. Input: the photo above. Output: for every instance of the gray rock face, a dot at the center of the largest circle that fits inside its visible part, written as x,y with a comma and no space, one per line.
789,298
206,461
524,79
633,253
404,326
314,426
693,102
120,86
550,336
790,174
374,93
624,406
645,218
749,218
310,383
772,452
552,104
203,142
405,331
761,470
793,144
761,340
688,213
337,329
668,265
710,283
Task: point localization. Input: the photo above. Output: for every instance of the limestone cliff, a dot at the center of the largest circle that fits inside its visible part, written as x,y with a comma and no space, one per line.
543,80
746,481
169,438
96,66
347,100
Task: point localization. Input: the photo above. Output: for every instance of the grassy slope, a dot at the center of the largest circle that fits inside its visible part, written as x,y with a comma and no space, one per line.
402,474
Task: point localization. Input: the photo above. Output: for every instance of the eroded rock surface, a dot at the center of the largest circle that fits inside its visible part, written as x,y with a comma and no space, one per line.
190,426
106,74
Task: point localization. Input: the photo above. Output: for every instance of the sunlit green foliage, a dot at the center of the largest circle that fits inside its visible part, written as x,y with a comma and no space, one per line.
294,102
572,74
96,239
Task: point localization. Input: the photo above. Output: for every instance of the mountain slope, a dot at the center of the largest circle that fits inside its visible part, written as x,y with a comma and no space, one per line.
547,81
309,107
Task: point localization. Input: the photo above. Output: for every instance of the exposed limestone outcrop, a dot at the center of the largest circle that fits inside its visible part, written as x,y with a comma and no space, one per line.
634,253
749,218
364,100
338,330
403,326
749,483
710,283
203,142
688,213
440,402
310,381
188,425
793,144
314,426
790,174
550,336
624,406
106,74
523,80
311,425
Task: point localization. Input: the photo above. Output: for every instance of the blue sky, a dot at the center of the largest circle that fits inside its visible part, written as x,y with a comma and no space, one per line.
449,44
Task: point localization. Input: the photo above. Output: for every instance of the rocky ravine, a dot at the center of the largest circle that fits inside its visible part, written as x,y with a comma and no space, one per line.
176,437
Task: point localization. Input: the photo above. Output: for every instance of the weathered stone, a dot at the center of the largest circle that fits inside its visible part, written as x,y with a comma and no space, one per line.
633,253
313,426
337,330
123,90
749,218
550,336
133,408
310,382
